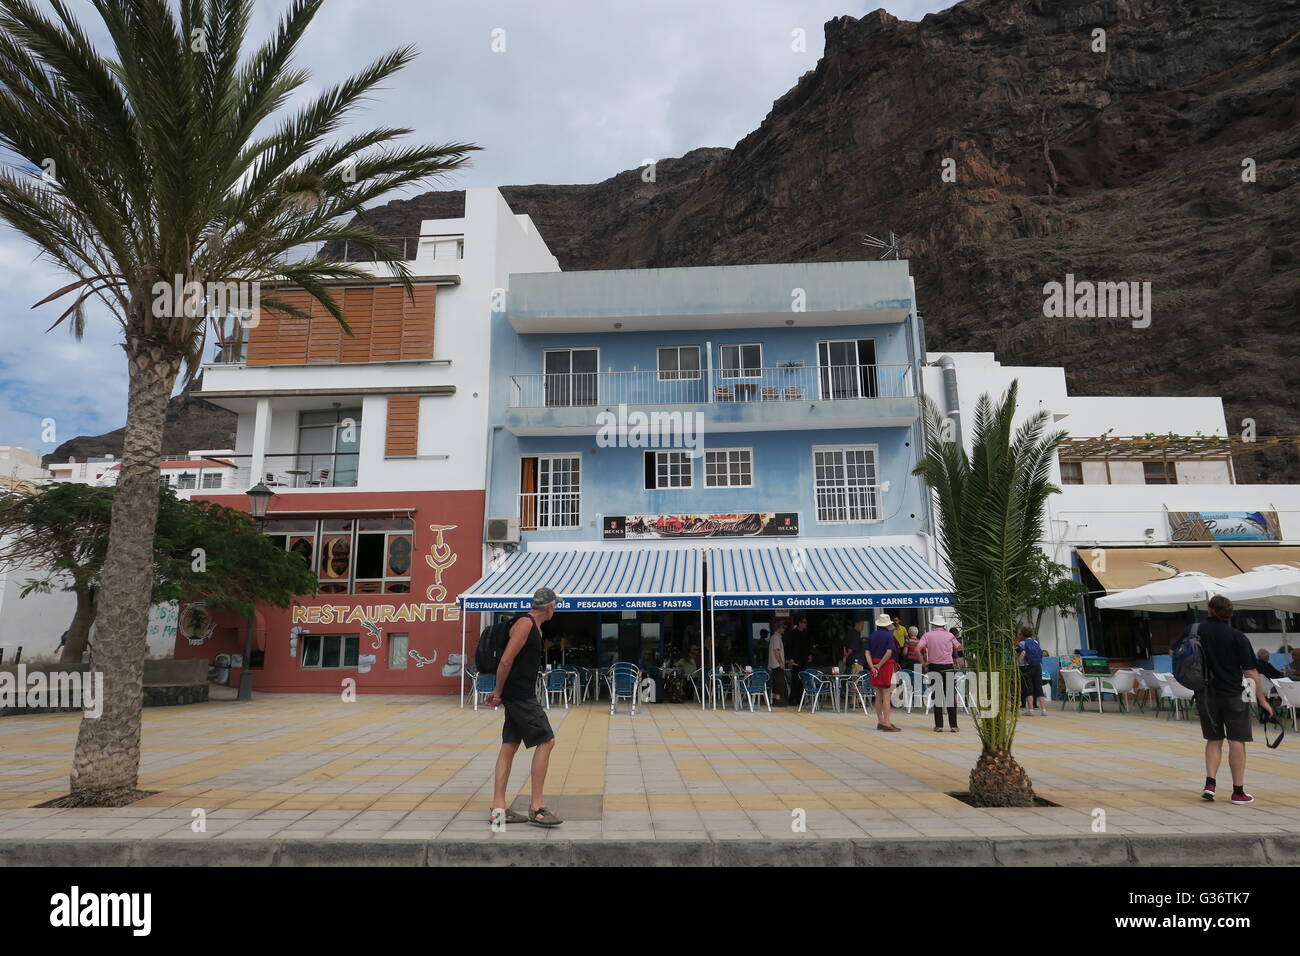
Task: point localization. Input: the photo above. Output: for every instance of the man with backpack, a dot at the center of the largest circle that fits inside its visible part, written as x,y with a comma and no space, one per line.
1030,657
518,643
1212,659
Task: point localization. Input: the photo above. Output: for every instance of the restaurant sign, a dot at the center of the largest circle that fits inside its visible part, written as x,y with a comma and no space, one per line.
749,524
829,601
612,602
1224,526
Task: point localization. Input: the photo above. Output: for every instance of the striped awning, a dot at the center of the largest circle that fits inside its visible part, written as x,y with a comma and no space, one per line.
828,577
638,579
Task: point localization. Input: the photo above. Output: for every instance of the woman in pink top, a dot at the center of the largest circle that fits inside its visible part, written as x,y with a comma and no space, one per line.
937,648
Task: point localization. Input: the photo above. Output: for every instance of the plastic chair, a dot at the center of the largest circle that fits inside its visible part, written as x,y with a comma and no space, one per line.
1289,691
1155,686
918,694
557,682
860,685
815,687
755,685
1078,687
485,686
1122,682
721,683
624,683
1178,694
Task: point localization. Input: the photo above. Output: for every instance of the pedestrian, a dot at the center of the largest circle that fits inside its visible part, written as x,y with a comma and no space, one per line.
776,664
937,649
911,647
1030,658
853,661
525,720
883,661
1221,704
900,635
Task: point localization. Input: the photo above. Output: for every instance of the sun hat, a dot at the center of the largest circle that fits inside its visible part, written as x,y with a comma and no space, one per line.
543,598
884,620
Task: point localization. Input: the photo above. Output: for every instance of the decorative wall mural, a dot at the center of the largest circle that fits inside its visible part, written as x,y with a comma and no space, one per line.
422,661
294,633
196,623
376,634
455,662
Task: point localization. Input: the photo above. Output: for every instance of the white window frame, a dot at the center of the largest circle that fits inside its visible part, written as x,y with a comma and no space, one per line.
690,469
821,369
519,502
704,458
677,375
874,450
741,367
342,639
571,349
210,475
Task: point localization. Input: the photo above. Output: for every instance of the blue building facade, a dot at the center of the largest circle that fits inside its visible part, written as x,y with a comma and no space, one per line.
756,390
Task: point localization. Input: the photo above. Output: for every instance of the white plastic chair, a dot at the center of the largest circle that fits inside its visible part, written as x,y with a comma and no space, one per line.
916,695
1078,687
1178,694
1289,691
1154,685
1122,682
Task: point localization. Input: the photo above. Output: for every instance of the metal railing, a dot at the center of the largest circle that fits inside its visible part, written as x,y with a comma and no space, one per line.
298,470
847,503
792,383
449,245
549,510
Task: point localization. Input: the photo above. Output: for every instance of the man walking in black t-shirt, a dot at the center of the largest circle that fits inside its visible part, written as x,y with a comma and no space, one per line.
525,720
1222,703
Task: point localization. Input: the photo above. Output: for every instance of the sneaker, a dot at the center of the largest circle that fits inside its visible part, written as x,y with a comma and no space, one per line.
953,730
542,817
1208,793
1242,798
1042,711
1026,713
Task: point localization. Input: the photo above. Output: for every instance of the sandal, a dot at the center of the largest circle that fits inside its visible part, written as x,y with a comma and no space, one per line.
542,817
512,816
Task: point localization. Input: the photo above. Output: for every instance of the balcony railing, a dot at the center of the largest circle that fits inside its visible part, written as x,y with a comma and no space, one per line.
450,245
549,510
793,383
297,470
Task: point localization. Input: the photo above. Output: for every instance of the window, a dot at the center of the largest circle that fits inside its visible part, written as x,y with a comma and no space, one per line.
1071,472
186,480
383,556
550,491
667,469
1159,473
212,479
679,362
847,368
165,480
742,361
570,376
398,644
330,650
328,443
846,484
729,468
369,555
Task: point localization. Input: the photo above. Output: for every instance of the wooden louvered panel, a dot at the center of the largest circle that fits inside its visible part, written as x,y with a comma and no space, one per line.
325,333
417,324
386,330
280,338
401,436
357,306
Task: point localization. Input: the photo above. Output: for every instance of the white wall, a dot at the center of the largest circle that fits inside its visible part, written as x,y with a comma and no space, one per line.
35,622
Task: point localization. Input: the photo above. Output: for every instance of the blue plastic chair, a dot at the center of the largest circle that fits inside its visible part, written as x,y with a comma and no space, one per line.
860,685
624,684
557,682
484,686
756,686
815,687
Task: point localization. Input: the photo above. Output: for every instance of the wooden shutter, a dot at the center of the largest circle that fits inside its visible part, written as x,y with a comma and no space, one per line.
401,436
386,327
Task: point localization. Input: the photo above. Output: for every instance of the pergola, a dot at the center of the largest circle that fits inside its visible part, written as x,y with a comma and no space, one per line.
1168,447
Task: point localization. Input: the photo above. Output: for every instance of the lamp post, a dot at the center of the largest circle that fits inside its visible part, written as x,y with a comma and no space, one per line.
259,499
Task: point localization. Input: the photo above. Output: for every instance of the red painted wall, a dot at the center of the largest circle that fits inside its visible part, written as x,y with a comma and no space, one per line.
446,560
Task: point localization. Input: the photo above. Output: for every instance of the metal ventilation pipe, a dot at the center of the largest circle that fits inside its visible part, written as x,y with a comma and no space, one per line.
950,399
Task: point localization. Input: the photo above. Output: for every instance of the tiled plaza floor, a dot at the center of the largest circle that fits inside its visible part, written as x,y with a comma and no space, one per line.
397,767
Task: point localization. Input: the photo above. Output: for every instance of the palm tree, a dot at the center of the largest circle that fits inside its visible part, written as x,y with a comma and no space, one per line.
170,159
991,505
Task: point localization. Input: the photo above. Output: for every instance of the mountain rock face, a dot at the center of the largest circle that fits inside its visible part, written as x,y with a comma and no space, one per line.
1169,156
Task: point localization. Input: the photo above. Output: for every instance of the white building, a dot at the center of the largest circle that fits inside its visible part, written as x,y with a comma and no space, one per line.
1135,510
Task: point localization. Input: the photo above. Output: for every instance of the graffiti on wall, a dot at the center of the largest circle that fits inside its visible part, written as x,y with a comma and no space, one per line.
440,558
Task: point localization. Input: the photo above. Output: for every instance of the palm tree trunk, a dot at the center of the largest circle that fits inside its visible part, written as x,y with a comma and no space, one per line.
107,759
74,648
998,780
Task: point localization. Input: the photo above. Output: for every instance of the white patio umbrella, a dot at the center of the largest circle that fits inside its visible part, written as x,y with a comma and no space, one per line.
1270,587
1167,594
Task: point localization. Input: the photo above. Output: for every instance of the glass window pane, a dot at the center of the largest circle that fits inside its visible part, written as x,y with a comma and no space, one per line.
311,652
351,648
330,651
370,556
398,645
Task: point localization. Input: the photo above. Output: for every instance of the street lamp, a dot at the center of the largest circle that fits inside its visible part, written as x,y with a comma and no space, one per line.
259,499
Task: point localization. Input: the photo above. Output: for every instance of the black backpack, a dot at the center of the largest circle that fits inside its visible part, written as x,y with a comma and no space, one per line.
492,644
1190,667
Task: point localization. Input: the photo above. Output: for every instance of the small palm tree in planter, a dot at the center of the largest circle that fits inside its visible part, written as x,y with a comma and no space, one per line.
991,505
171,159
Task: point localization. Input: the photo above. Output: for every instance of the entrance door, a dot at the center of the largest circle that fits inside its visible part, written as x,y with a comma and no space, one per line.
847,368
570,377
629,641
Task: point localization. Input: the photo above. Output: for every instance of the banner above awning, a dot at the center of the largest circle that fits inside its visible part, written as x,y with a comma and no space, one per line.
641,579
789,576
1119,569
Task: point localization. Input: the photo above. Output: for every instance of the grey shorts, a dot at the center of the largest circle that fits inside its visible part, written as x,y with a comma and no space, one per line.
526,722
1224,716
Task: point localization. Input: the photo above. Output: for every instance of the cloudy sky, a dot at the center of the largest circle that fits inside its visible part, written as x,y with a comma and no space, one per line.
582,90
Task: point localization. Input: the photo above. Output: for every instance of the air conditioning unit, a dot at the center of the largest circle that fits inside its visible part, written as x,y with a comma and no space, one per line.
503,530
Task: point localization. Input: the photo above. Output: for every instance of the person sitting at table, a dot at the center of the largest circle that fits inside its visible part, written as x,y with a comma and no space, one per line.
1292,670
882,647
1266,667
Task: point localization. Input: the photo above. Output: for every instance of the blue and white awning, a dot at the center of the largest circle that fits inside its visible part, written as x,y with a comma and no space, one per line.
829,577
641,579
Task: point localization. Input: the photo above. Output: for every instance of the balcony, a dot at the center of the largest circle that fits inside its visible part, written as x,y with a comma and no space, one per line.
549,510
736,399
281,471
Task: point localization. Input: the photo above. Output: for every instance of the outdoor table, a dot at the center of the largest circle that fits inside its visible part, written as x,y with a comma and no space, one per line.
838,682
296,474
